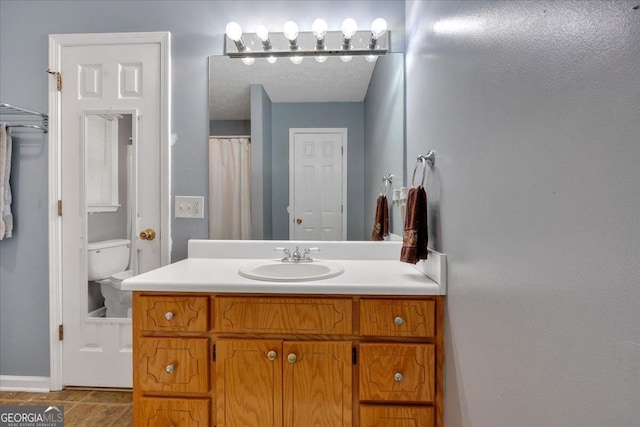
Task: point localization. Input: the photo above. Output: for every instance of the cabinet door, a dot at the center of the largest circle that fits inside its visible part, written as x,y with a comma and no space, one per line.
160,411
317,383
173,364
248,383
396,416
397,372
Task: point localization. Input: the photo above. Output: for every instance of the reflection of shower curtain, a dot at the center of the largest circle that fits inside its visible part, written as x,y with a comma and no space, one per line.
229,188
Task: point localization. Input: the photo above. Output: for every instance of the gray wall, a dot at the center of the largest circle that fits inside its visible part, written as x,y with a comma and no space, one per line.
261,118
384,138
348,115
197,29
229,127
533,109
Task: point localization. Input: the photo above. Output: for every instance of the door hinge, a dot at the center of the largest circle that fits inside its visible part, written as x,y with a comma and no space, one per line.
354,355
213,353
60,332
341,208
342,150
58,79
59,207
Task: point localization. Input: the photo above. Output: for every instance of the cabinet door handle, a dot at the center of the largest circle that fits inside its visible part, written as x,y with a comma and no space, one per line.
170,368
272,355
398,377
398,321
168,315
292,358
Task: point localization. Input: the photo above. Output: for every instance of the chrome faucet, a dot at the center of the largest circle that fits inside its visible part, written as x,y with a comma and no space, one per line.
296,256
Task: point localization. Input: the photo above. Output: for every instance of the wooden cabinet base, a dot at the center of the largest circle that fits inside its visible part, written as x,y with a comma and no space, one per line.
238,360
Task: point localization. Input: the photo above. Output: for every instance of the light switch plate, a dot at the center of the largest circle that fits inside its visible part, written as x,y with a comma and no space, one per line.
189,207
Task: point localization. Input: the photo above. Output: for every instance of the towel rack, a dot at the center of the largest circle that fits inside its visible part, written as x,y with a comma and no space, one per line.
425,161
18,117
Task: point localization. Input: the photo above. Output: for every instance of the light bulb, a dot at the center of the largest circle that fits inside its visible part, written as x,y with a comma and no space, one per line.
319,28
271,59
234,31
321,58
346,58
378,27
262,32
248,61
371,58
349,27
296,59
290,30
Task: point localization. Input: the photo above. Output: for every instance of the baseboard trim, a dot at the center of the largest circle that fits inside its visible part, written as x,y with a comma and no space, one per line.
20,383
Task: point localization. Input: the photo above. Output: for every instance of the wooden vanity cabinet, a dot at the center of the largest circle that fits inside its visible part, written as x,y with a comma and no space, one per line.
229,360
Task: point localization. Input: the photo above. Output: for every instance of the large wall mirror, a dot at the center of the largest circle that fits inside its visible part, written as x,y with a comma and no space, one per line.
274,133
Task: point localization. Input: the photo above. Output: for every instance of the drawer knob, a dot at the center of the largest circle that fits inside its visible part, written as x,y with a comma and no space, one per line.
292,358
398,377
272,355
398,321
170,368
168,315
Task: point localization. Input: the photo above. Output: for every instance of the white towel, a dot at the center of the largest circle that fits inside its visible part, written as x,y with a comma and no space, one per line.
6,218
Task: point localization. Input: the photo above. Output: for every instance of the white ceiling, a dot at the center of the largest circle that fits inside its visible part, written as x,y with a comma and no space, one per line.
310,81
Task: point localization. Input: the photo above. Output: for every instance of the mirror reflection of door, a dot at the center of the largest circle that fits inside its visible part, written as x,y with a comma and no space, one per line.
317,187
109,163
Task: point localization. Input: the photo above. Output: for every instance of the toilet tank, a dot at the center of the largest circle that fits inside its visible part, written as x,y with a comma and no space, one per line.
107,257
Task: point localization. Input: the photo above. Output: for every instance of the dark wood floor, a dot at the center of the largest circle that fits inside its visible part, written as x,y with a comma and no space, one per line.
82,408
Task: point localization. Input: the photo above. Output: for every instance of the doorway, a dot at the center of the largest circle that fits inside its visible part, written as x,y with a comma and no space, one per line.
318,184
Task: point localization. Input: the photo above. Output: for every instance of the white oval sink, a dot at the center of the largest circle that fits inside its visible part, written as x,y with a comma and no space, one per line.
277,271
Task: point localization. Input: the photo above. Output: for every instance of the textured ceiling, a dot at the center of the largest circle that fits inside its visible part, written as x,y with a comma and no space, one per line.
310,81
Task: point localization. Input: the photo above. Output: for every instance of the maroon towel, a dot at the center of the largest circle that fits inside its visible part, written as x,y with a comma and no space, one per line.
381,222
416,233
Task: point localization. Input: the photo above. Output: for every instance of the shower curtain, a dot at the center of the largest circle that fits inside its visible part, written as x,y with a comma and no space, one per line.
229,188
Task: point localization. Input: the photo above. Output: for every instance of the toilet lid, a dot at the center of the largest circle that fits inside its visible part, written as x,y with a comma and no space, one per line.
119,277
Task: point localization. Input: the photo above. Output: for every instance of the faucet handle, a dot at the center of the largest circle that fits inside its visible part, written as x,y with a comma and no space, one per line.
280,249
307,252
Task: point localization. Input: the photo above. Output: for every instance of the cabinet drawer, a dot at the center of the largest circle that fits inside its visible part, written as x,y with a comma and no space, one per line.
397,372
397,318
174,412
173,364
396,416
173,314
284,315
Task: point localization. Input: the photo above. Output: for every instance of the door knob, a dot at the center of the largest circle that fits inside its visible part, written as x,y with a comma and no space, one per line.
292,358
272,355
298,220
148,234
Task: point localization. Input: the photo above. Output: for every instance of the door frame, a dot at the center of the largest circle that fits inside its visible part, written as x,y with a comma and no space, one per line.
292,134
56,43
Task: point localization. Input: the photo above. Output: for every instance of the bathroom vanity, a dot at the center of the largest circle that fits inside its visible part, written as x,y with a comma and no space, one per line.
365,348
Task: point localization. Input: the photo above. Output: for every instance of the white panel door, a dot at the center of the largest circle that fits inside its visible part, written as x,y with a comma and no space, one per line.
317,187
125,78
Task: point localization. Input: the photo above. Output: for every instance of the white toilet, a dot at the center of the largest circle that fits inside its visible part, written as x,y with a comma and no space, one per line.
106,264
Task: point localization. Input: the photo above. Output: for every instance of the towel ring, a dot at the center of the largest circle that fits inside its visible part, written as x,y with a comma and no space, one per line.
427,160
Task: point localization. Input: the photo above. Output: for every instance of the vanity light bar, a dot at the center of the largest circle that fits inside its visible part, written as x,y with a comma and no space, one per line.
319,42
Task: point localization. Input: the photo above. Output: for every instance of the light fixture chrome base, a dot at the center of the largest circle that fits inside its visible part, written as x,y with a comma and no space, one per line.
307,42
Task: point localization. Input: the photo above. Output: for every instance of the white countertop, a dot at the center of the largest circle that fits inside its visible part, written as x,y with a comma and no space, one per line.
360,277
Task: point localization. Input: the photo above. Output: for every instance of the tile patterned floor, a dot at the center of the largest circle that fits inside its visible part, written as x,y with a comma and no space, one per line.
82,408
